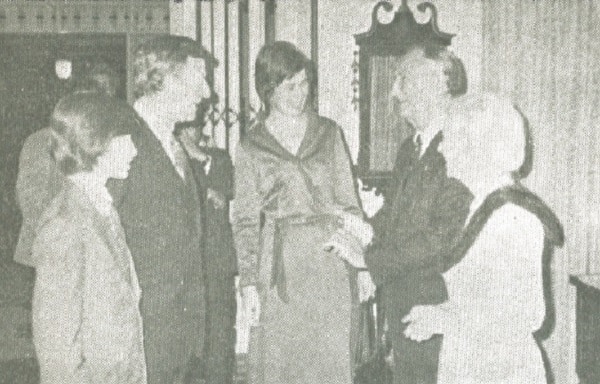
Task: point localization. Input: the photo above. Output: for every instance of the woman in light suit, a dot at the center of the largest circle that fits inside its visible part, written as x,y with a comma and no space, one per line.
87,326
495,285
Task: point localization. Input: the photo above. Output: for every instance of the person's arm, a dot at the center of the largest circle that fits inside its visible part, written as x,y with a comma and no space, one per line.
58,304
343,179
34,189
380,221
419,248
245,214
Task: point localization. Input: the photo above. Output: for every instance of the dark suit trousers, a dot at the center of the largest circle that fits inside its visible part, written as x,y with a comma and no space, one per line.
414,363
220,331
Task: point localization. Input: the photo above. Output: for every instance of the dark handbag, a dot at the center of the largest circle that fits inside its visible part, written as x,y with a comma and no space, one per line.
372,364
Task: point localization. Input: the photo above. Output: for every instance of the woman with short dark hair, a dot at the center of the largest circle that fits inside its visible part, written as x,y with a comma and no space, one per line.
294,189
87,326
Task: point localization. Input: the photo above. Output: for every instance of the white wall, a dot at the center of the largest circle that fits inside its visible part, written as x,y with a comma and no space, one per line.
182,18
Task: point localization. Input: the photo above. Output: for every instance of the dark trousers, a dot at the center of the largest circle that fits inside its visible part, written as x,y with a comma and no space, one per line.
220,332
414,363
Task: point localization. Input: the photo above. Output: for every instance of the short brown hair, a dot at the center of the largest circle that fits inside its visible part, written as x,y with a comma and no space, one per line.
275,63
83,123
161,55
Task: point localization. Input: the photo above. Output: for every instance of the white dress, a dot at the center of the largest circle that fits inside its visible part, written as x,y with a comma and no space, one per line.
496,302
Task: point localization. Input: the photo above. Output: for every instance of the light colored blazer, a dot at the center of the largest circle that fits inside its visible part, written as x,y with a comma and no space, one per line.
87,326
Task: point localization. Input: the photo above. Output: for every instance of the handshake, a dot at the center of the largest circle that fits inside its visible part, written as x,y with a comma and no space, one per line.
349,242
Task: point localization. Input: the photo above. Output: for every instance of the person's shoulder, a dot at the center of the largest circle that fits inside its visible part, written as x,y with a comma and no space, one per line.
38,143
327,128
408,144
39,135
326,122
327,125
57,232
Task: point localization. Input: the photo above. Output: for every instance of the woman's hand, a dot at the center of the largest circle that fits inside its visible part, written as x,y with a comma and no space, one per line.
422,322
251,303
358,227
366,287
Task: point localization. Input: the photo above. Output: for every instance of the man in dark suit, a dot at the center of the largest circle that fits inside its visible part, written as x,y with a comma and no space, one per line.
424,211
213,171
160,208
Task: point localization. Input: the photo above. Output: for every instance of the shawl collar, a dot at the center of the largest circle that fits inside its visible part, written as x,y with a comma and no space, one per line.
260,137
516,194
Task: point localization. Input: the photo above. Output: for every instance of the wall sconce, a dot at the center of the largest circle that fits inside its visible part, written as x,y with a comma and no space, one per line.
63,69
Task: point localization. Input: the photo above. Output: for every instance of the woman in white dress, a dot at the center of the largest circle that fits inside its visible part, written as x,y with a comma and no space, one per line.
496,296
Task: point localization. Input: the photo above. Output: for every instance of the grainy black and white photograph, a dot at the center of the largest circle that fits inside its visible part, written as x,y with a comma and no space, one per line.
299,192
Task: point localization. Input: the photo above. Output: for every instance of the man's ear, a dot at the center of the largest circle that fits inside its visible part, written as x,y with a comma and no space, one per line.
441,77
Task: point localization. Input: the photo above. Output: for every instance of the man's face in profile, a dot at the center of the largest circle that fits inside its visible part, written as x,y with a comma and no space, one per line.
185,88
418,85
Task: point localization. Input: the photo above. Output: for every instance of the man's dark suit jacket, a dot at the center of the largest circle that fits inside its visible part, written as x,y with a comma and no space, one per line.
420,219
161,216
424,213
220,265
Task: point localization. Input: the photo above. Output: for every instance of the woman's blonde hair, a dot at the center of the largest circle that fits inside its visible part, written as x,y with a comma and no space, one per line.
490,130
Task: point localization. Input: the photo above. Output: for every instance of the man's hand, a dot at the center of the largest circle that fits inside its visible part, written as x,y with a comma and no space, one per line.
422,320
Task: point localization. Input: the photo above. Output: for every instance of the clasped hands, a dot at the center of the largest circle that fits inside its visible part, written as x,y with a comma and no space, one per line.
354,231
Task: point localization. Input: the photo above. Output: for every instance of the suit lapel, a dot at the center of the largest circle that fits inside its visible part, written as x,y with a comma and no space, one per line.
156,154
260,137
314,137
